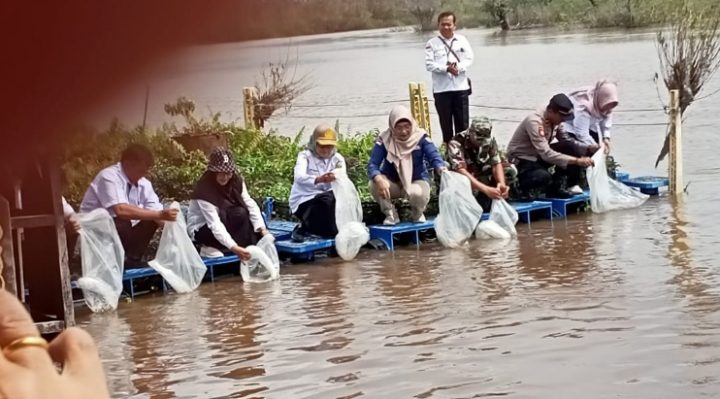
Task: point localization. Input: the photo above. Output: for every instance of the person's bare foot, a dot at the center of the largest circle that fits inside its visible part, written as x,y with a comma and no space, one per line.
26,362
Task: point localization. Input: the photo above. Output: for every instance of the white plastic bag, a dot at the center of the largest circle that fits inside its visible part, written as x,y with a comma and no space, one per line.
177,260
348,207
103,258
264,263
352,233
488,230
504,215
351,237
607,194
459,213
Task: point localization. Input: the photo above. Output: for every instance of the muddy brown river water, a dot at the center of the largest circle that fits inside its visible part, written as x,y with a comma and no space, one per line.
620,305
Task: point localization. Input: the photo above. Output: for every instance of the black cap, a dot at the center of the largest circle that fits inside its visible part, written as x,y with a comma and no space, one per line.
561,104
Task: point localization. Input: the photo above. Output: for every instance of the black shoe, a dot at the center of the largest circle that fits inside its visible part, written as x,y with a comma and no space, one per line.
561,194
298,235
518,195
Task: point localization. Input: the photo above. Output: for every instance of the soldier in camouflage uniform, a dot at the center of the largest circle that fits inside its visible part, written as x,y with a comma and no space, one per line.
475,154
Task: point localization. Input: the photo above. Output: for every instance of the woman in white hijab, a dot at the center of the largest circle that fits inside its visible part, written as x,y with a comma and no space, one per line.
397,166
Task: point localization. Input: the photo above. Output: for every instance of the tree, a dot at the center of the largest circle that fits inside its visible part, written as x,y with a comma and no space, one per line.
498,9
424,12
689,54
280,85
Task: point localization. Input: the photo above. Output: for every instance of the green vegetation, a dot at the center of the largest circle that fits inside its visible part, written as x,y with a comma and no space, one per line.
265,160
282,18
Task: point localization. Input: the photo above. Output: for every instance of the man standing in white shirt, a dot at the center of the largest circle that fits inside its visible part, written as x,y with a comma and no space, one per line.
130,199
448,56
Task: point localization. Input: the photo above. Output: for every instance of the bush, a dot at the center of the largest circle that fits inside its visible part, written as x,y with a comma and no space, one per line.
265,160
356,150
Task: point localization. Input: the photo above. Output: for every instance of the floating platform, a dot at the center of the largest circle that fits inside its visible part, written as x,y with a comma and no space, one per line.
212,262
560,206
649,185
281,229
303,251
622,176
130,275
527,210
386,233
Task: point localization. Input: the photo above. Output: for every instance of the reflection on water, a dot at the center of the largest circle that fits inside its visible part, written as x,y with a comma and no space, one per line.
625,304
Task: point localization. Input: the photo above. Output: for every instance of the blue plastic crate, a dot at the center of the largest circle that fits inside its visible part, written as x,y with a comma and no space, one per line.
622,176
304,250
385,233
560,206
130,275
650,185
525,210
281,225
212,262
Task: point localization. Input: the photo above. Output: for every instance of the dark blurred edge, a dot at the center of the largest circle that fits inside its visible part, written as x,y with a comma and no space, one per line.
59,57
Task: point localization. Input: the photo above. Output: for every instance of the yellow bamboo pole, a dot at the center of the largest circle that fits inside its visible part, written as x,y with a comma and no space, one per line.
419,105
425,109
414,102
249,107
675,166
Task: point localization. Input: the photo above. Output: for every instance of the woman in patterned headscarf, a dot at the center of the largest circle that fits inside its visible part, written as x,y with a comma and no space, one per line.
222,215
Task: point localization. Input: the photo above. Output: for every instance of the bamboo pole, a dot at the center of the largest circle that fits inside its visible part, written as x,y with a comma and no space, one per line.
425,109
675,166
414,101
249,107
419,105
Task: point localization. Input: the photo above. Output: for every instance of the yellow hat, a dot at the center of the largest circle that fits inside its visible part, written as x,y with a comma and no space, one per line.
325,135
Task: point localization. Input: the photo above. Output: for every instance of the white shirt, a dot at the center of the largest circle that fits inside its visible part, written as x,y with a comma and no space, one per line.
584,122
307,168
437,56
112,187
203,213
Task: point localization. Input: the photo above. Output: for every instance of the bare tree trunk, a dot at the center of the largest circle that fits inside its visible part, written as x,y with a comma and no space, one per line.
498,9
689,55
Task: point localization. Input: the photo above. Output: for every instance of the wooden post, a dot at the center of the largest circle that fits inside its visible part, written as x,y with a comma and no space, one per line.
34,223
249,107
675,165
7,255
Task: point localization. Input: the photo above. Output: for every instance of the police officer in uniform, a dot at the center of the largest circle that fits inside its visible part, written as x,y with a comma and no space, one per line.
540,167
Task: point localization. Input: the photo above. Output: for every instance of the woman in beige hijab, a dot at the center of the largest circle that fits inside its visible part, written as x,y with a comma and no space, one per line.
397,166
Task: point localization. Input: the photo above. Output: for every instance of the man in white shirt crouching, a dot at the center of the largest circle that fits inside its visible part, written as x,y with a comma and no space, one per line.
129,197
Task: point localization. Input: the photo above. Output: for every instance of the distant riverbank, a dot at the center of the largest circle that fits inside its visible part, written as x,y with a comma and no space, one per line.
282,18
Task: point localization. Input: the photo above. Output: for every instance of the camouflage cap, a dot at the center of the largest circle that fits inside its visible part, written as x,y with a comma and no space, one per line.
481,127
